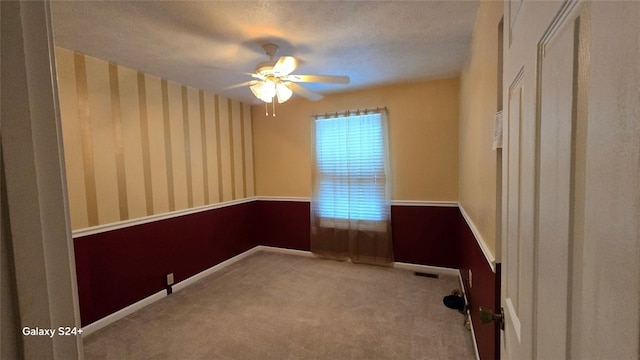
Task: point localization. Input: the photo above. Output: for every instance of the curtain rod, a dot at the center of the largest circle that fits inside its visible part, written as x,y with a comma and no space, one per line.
347,112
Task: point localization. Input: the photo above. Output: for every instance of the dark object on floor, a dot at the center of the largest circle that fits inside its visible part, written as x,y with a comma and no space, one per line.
455,301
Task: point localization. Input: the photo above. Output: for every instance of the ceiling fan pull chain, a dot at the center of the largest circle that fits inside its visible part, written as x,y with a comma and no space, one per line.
273,106
266,109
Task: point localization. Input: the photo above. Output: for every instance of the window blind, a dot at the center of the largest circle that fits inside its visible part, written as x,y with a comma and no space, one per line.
350,166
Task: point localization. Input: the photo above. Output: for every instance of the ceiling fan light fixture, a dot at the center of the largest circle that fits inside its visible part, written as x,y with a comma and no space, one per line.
264,90
283,92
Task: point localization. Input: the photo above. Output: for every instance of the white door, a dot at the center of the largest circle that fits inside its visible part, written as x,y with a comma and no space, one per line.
541,52
571,269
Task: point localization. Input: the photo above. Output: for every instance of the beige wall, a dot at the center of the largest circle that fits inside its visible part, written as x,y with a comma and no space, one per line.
478,105
423,139
137,145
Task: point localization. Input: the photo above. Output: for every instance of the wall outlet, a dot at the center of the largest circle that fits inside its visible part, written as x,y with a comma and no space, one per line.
470,279
170,279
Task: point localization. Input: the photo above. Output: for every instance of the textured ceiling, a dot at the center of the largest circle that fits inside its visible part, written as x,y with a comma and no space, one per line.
213,44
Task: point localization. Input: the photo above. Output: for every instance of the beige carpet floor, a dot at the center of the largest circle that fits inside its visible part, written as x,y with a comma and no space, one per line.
277,306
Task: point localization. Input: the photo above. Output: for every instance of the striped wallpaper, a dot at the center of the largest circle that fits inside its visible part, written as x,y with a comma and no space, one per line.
137,145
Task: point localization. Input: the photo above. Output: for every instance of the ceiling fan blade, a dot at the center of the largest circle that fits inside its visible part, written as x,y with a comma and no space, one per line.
319,79
246,83
304,92
285,65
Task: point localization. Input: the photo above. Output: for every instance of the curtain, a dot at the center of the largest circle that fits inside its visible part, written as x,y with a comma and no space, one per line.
350,204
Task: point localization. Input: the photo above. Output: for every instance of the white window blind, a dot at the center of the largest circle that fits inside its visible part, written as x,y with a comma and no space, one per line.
350,168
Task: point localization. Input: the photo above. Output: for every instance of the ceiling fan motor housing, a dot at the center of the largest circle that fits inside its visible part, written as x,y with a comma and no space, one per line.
270,50
265,68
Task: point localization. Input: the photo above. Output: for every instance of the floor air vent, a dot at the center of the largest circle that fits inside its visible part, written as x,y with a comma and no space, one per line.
429,275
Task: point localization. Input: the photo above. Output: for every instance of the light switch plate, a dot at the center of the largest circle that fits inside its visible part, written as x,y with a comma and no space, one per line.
170,279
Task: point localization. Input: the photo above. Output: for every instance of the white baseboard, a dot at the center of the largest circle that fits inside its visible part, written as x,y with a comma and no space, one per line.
466,300
399,265
278,250
473,338
426,268
203,274
110,319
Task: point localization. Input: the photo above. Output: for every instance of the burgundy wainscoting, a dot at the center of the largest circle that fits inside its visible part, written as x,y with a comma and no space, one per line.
421,234
120,267
485,288
426,235
284,224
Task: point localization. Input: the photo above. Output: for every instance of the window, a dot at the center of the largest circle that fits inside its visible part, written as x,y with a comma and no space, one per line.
350,170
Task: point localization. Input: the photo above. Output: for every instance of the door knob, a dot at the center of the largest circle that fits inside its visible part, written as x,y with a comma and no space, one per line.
488,316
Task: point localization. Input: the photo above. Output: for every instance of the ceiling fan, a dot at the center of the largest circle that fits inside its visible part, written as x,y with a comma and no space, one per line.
274,79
